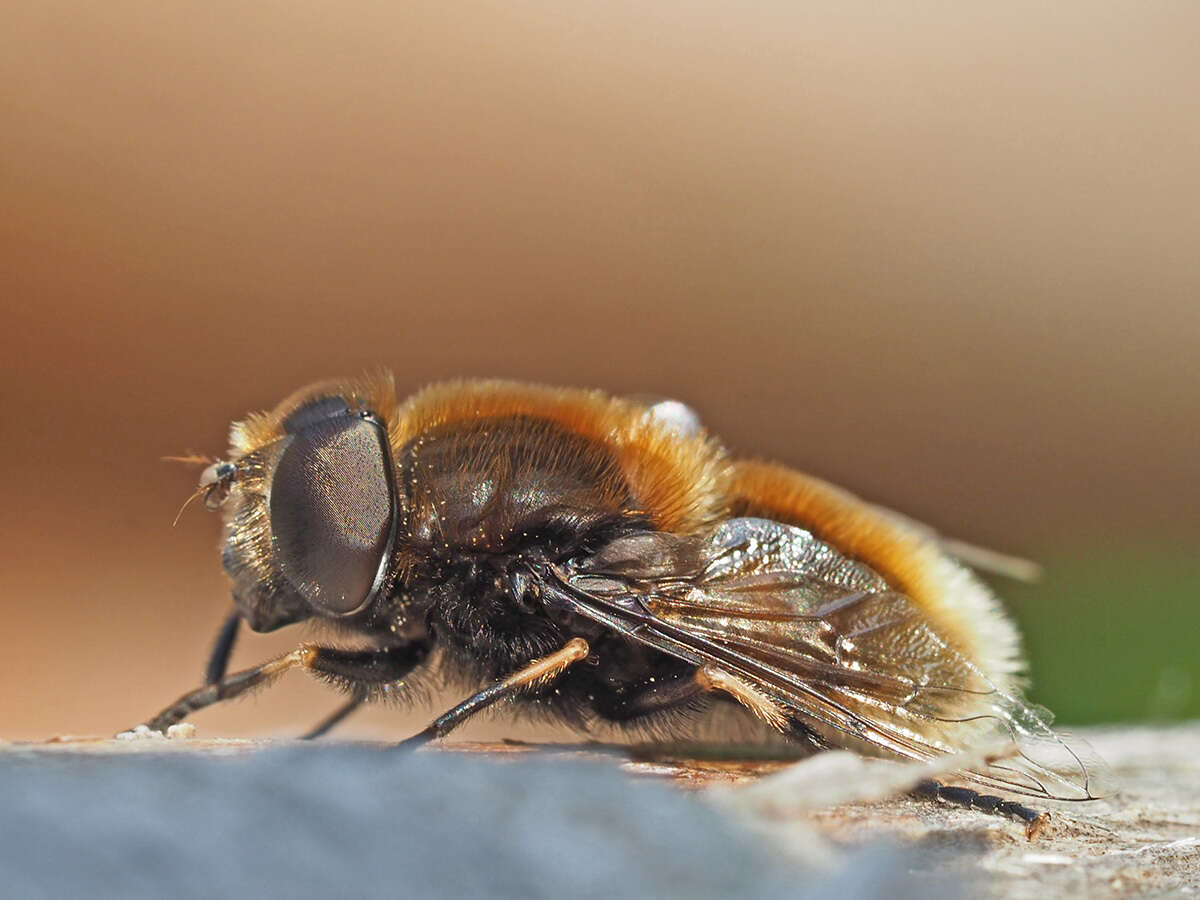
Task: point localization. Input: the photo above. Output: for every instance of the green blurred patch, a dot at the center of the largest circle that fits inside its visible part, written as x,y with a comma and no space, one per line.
1113,636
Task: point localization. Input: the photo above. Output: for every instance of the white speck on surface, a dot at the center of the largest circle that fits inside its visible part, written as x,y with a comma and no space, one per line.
1047,859
141,733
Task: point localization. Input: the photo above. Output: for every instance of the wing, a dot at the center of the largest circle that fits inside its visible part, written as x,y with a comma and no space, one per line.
826,638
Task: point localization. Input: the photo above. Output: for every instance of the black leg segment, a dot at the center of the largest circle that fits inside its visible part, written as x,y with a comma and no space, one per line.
231,686
355,670
358,669
218,659
335,718
988,803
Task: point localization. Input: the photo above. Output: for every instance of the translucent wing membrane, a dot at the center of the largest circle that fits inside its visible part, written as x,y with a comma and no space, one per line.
827,638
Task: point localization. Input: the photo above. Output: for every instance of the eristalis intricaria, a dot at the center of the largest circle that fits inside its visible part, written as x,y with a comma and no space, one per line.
606,561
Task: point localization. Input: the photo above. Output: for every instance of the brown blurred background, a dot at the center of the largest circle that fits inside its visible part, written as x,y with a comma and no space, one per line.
944,254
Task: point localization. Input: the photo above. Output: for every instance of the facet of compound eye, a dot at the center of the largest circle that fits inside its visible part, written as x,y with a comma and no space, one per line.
313,412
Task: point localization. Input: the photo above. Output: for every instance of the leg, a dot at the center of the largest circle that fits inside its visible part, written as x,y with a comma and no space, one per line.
359,672
218,665
537,673
714,679
664,695
232,686
218,659
335,718
647,699
710,678
353,668
988,803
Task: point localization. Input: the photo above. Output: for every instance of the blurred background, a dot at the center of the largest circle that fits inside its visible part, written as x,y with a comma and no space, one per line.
942,254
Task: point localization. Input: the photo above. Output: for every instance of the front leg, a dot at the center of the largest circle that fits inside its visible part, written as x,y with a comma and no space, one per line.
218,657
357,670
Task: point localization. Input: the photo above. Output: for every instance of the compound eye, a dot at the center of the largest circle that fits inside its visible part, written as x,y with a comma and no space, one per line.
333,511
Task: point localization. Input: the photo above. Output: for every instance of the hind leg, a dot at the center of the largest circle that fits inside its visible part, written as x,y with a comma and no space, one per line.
988,803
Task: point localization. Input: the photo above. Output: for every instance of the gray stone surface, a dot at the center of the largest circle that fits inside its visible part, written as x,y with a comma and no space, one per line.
197,819
193,818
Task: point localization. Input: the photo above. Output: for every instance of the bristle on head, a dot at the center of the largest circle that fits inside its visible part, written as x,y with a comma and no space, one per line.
375,392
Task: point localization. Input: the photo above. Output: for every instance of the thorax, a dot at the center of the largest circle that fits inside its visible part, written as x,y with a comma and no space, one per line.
506,486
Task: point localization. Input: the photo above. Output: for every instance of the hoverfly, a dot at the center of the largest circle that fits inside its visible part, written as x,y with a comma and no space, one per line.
607,561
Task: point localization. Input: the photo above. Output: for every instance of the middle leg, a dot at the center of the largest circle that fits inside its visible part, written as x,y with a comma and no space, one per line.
537,673
336,717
